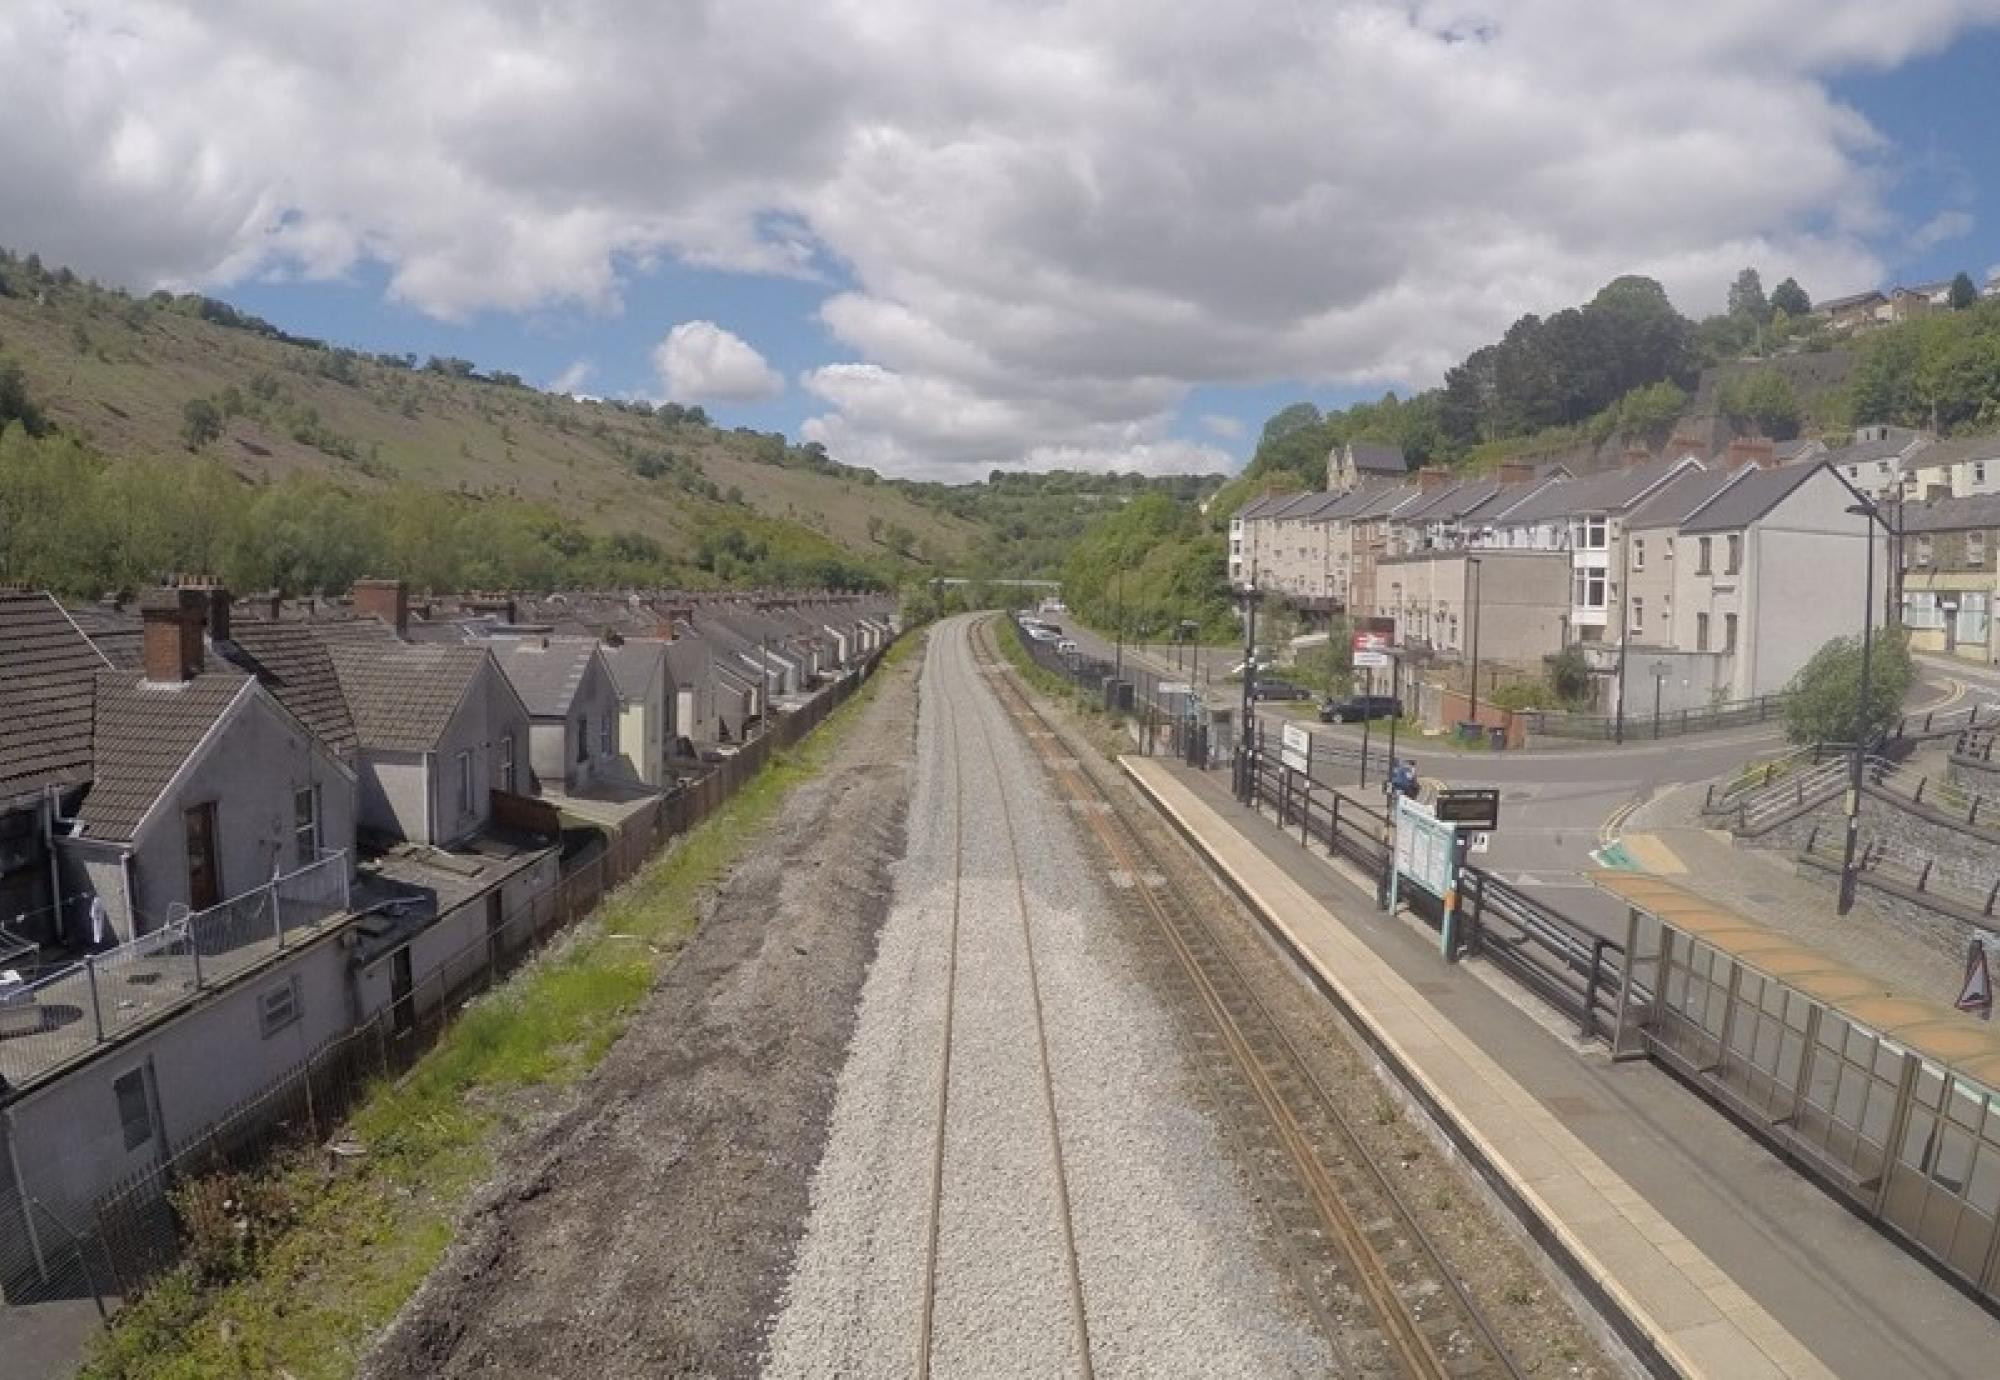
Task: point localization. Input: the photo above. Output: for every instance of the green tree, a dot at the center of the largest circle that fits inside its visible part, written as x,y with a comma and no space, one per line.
1789,298
1964,292
1764,400
15,404
201,422
1825,694
1746,297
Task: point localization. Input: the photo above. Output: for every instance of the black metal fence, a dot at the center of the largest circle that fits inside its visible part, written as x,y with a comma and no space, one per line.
1604,728
1169,718
1566,964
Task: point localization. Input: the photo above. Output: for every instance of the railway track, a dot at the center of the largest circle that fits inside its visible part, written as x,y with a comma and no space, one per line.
1425,1322
927,1320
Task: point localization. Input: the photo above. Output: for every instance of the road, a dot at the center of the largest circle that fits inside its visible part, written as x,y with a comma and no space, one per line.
1560,805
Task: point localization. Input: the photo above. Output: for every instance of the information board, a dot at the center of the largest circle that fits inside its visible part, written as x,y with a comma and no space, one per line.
1474,808
1426,852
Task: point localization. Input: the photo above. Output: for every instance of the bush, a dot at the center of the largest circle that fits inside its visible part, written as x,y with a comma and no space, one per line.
1823,695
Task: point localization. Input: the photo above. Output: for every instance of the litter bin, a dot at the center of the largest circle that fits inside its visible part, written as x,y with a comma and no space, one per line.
1468,732
1496,738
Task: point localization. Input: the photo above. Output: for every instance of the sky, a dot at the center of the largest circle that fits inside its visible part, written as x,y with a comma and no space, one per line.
943,239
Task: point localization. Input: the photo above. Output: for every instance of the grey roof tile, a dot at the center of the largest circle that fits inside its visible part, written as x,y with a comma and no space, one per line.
546,672
292,661
143,733
634,663
1745,502
48,672
403,696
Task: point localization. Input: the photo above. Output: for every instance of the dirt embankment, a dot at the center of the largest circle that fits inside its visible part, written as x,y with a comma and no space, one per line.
647,1227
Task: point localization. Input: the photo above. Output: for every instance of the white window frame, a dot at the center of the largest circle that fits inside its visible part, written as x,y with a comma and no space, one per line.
1704,556
1975,550
1638,615
1638,553
1729,634
1588,580
280,1006
465,806
1733,557
507,763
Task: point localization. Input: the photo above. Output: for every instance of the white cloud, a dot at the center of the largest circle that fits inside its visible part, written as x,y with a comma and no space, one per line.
572,379
1941,228
1222,427
1048,227
701,362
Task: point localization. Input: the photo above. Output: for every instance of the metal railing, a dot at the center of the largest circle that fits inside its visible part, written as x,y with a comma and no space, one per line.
1548,723
1569,966
1723,796
1946,723
1788,796
1168,720
67,1012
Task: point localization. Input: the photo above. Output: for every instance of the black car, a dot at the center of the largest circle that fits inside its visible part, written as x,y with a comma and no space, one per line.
1266,689
1356,708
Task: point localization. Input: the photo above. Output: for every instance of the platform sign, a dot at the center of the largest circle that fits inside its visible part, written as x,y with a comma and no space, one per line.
1296,749
1470,808
1371,650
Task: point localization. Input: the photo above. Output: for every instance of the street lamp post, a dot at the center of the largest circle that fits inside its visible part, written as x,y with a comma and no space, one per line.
1868,511
1475,563
1624,625
1246,780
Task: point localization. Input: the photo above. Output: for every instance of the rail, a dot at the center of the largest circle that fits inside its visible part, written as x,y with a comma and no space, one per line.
1573,969
1946,723
1724,795
1788,797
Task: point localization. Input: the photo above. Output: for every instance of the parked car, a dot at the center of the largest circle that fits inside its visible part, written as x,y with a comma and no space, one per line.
1067,647
1264,688
1041,634
1355,708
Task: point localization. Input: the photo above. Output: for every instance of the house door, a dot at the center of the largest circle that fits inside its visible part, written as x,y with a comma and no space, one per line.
401,1004
204,879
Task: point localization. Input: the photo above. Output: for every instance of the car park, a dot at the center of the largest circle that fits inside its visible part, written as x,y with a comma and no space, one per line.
1358,708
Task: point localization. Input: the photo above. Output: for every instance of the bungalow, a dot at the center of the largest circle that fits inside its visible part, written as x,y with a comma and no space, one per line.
645,709
572,705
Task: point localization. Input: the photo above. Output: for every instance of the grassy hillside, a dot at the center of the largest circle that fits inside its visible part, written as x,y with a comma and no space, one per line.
121,374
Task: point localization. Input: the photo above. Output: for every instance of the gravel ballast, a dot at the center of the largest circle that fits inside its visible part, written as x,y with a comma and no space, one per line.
1172,1276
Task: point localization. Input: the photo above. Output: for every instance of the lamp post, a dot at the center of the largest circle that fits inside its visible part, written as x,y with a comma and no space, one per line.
1474,563
1118,629
1624,627
1869,512
1245,779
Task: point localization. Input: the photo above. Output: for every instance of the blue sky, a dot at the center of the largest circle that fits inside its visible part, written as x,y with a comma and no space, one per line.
1086,234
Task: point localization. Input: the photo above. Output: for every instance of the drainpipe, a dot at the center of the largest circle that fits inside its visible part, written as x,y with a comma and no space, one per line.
131,895
49,848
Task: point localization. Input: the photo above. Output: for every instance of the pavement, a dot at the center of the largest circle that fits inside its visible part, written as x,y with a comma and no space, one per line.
1733,1264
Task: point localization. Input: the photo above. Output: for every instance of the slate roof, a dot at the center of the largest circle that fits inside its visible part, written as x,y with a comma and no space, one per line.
1744,502
1372,457
403,696
143,734
1607,491
293,663
1833,304
546,672
688,658
1974,513
1886,449
48,671
1955,450
1675,501
368,630
118,634
633,665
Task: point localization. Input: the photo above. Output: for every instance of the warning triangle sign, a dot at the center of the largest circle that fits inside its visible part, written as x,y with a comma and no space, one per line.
1976,995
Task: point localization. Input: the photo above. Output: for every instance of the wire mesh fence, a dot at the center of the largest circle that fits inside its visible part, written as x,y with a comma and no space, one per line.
197,1202
1169,717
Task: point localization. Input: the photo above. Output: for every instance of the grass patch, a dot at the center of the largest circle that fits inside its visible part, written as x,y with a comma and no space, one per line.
346,1248
1048,682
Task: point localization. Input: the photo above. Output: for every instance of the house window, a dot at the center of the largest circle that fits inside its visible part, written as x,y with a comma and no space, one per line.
1975,550
1728,632
1670,548
604,737
1587,588
465,783
1701,632
1704,563
1921,610
1979,471
1638,615
135,1114
305,826
279,1006
1638,553
1587,534
1923,550
507,763
583,738
1735,554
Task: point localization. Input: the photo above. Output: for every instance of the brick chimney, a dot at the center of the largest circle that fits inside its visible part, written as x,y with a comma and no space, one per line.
1749,450
388,600
220,605
171,620
1515,472
1432,478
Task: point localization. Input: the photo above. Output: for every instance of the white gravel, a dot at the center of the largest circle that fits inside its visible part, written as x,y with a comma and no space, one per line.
1172,1282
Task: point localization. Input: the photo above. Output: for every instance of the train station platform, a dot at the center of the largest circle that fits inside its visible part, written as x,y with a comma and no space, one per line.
1716,1256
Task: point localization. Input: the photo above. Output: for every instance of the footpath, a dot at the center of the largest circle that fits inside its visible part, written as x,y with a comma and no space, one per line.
1720,1260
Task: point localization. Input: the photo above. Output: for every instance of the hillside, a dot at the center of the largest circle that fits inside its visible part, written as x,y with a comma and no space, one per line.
120,373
